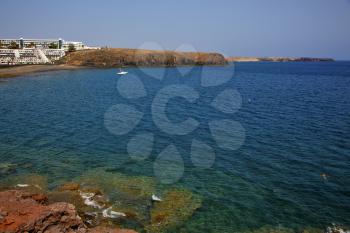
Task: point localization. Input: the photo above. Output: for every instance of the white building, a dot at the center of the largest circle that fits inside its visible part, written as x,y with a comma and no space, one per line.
29,56
36,51
77,45
42,44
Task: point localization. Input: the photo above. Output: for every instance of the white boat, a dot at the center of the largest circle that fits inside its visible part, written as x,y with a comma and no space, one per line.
121,72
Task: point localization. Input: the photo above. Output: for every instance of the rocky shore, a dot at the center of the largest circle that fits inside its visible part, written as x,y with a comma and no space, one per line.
97,201
84,208
13,71
25,210
22,211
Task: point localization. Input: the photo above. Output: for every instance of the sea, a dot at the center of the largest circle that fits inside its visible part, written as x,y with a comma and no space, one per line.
265,146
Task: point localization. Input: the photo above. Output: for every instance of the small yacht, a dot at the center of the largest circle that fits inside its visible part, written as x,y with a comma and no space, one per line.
121,72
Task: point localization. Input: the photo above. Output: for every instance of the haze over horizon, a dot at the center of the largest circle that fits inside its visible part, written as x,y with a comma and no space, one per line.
293,28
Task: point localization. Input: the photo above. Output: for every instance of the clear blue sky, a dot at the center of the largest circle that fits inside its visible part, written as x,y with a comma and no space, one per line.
319,28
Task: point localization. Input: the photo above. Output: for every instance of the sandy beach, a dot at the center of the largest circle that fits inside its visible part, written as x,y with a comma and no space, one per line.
9,72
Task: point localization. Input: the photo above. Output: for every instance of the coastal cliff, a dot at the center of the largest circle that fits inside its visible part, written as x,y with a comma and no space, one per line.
135,57
278,59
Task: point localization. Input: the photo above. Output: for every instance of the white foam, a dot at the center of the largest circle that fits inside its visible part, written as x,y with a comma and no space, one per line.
109,213
87,197
22,185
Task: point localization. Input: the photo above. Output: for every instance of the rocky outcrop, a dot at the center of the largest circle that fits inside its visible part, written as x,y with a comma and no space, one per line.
137,57
21,211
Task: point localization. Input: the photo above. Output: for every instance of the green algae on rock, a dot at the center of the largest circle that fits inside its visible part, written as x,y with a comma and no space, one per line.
271,229
30,183
135,187
282,229
312,230
7,168
177,206
130,195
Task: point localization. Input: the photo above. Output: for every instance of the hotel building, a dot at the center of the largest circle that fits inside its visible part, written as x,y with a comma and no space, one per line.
41,44
36,51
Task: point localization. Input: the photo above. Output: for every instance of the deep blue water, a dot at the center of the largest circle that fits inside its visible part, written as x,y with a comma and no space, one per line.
292,169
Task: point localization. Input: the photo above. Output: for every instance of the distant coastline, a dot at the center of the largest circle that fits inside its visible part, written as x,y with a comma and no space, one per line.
278,59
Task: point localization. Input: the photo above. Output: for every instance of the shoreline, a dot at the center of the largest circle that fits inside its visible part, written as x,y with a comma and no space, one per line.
15,71
92,205
19,70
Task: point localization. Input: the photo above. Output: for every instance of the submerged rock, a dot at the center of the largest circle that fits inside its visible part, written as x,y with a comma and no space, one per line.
312,230
7,168
279,229
29,182
123,186
176,207
131,200
271,229
69,187
128,194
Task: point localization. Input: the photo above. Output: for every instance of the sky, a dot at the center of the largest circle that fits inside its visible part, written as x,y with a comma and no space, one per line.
314,28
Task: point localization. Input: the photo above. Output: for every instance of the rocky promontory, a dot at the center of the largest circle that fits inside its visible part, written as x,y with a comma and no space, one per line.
114,57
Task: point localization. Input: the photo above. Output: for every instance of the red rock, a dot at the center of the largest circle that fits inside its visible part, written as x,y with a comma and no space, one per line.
41,198
24,212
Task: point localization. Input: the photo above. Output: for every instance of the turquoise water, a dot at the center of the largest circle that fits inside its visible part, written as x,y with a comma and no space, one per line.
292,169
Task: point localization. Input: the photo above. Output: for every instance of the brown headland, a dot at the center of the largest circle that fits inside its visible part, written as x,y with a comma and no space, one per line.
118,57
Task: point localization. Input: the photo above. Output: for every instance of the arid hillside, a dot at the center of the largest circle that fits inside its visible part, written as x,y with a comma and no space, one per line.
135,57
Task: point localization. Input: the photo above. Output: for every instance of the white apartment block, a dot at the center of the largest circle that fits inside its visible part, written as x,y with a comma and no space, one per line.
36,51
29,56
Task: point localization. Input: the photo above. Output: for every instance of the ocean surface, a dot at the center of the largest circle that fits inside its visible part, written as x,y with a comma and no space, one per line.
279,157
